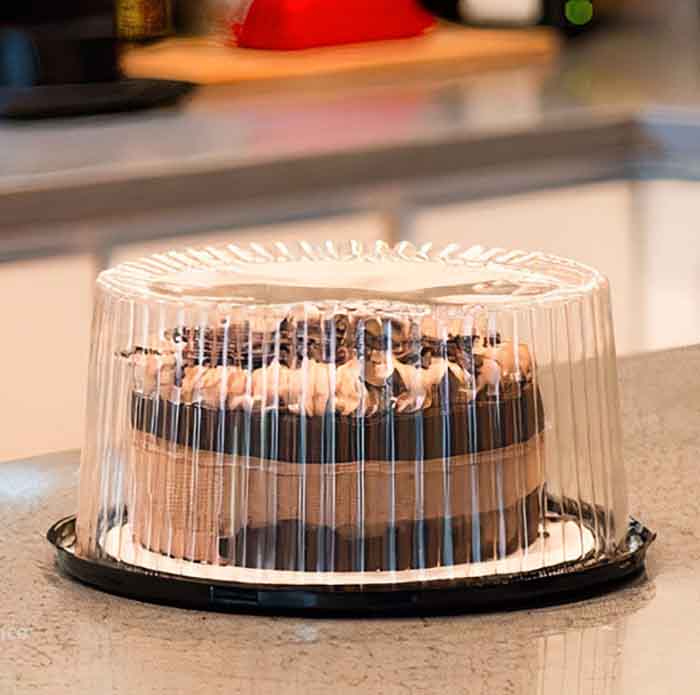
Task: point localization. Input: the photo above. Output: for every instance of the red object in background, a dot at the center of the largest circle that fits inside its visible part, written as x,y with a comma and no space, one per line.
296,24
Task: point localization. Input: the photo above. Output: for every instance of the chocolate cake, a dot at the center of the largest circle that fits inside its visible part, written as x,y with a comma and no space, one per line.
355,442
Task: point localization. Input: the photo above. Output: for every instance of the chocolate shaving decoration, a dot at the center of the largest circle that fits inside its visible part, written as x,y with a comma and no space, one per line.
491,340
388,334
334,340
326,340
233,345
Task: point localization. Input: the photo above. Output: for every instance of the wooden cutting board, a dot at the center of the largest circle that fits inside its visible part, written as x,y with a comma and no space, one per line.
457,49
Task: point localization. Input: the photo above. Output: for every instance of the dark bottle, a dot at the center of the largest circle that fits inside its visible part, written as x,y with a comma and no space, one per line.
54,43
143,20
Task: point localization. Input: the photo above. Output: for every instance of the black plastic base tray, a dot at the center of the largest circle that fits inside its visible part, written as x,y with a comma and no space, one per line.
553,586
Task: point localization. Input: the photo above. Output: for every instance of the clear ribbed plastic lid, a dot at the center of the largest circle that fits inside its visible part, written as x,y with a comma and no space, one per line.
342,414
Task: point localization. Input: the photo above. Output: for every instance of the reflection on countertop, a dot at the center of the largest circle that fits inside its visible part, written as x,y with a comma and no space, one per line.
642,640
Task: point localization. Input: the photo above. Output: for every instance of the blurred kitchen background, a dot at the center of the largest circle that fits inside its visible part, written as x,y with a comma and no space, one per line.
567,127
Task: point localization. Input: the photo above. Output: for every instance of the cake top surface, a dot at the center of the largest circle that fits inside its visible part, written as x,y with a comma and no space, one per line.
351,274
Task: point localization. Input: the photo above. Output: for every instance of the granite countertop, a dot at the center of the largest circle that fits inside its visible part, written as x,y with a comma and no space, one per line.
57,636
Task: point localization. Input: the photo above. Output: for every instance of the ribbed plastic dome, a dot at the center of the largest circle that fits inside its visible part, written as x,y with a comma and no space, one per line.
351,416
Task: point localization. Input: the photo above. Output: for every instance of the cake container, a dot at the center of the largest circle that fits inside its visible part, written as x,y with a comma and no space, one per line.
342,429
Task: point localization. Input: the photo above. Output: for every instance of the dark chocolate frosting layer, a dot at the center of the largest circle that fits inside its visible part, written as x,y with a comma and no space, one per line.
330,340
489,422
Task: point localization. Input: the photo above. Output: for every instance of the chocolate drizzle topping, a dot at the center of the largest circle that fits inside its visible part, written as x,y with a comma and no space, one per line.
329,341
360,365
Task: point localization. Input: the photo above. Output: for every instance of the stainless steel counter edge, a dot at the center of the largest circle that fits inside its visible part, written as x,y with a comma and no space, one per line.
317,184
455,168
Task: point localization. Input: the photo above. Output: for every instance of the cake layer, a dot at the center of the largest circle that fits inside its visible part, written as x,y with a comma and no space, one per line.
440,542
489,422
210,507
